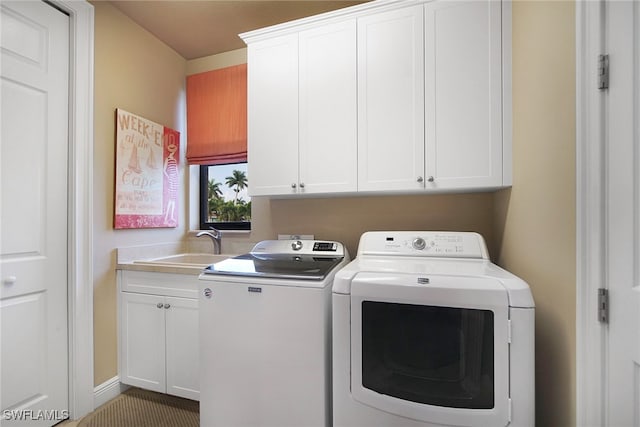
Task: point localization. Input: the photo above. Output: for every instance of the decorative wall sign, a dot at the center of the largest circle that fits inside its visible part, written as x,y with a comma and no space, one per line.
147,179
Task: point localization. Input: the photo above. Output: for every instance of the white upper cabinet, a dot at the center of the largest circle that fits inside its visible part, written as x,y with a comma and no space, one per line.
387,96
391,100
272,114
463,94
328,109
302,112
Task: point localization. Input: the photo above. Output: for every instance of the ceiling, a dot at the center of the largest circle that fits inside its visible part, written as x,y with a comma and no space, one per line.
199,28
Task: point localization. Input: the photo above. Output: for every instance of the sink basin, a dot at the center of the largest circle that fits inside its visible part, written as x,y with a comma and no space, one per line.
187,259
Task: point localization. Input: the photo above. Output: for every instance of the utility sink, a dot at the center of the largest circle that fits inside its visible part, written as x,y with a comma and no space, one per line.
186,259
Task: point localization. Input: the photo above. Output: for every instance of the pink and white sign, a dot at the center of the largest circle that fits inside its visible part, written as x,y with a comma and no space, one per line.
146,187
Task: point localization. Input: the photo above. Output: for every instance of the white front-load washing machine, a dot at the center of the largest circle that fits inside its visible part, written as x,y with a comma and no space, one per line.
428,332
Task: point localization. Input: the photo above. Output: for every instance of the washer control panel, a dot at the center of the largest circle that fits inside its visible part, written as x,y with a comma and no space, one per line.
443,244
300,247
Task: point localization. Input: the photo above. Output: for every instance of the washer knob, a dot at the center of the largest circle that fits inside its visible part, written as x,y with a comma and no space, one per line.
297,245
418,243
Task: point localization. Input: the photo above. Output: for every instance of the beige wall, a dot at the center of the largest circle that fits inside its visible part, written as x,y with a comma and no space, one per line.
136,72
535,221
530,229
345,219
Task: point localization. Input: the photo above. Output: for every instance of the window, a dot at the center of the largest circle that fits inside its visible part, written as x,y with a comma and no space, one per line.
224,200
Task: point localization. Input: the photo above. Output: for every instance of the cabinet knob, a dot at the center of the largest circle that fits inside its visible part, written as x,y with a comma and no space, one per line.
431,179
294,185
302,185
420,179
159,305
10,280
167,306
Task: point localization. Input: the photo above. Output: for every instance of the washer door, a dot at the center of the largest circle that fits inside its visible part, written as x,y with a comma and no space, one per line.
433,349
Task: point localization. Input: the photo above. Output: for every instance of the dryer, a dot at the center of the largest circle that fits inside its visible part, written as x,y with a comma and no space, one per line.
427,331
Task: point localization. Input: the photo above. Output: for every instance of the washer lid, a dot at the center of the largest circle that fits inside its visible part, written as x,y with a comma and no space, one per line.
305,267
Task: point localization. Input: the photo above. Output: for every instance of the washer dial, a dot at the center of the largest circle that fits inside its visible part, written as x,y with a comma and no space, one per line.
418,243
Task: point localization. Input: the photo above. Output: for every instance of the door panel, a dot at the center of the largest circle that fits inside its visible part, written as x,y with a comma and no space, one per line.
33,245
622,398
183,375
24,347
463,93
272,108
143,341
328,111
391,100
446,303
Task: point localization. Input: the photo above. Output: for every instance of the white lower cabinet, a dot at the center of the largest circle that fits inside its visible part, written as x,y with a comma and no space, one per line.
158,335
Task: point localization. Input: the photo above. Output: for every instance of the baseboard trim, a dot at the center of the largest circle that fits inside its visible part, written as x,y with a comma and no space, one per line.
107,391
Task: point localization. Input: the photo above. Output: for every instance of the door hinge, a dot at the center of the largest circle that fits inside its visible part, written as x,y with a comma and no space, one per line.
603,305
603,72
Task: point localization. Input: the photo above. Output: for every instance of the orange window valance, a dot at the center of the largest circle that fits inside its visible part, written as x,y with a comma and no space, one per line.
217,116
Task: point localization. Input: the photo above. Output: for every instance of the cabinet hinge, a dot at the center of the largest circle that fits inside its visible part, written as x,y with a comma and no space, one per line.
603,72
603,305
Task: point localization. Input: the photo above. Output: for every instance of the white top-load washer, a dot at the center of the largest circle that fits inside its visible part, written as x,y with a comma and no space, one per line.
428,332
265,335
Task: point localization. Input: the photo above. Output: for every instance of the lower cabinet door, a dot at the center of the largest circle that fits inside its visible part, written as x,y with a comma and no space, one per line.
142,356
182,347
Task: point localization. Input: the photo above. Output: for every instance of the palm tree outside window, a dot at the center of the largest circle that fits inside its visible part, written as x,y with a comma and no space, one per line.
224,200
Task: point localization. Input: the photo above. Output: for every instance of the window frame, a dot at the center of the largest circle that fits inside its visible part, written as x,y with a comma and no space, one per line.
203,204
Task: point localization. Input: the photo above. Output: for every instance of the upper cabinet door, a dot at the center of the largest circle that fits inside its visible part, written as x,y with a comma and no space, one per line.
328,109
391,100
272,79
463,94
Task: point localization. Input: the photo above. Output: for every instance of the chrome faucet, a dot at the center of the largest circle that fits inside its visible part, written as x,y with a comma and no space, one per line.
216,238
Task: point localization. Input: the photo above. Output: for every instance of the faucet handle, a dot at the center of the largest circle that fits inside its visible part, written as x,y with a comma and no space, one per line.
216,233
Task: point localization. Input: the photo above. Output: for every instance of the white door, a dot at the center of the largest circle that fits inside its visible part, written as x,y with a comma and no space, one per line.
272,109
328,111
142,356
425,352
33,243
391,100
463,94
182,353
622,217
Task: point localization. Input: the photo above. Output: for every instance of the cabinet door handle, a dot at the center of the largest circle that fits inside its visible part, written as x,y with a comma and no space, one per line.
431,179
420,179
159,305
294,185
167,306
302,185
